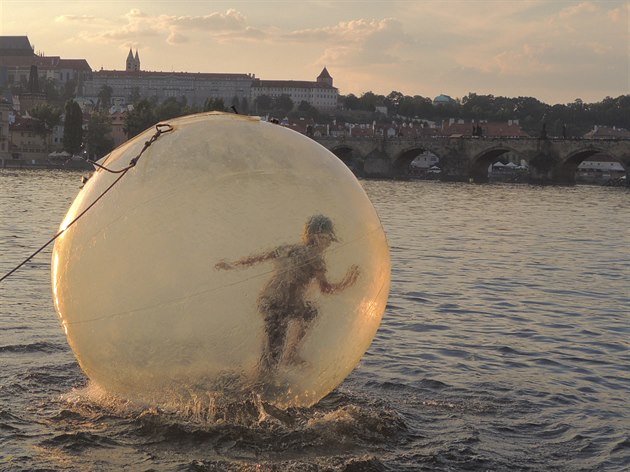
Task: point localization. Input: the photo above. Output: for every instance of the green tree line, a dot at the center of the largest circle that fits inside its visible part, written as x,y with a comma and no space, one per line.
576,117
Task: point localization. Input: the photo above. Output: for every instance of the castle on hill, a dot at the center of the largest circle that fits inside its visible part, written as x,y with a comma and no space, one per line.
197,87
17,56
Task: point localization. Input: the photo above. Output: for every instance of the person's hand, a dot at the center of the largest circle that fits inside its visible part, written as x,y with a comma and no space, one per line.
352,275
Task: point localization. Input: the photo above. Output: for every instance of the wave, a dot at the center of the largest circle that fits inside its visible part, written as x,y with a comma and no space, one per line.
338,424
33,347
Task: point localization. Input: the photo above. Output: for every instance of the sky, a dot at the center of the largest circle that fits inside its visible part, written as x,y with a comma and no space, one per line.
553,50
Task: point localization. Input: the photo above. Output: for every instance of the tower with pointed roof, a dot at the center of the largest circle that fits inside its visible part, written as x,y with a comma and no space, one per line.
130,61
133,63
325,78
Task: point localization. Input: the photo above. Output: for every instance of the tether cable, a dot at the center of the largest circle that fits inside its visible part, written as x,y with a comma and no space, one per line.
161,128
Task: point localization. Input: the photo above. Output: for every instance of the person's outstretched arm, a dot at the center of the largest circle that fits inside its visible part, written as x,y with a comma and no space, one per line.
327,287
246,261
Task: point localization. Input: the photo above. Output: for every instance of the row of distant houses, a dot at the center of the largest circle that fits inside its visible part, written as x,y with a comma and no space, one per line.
23,142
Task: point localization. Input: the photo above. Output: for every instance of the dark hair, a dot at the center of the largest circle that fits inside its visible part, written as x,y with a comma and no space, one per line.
318,224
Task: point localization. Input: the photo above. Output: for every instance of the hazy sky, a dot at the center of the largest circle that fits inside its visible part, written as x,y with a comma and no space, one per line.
553,50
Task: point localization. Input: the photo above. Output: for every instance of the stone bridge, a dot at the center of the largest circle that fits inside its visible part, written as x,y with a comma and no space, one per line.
551,161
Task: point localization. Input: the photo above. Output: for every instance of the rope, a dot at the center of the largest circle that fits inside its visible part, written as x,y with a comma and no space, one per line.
161,128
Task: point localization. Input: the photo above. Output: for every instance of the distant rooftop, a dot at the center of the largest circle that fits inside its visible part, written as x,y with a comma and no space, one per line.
290,84
44,62
16,51
15,46
324,74
608,132
155,74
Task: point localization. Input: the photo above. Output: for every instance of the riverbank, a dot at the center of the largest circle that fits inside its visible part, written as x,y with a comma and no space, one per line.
40,164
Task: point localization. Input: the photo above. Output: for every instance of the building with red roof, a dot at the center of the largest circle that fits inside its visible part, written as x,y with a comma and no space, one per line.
503,129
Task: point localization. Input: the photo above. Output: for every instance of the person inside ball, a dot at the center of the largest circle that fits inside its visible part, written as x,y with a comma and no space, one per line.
283,299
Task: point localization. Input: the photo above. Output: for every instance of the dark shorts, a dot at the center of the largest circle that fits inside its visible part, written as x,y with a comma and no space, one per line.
274,312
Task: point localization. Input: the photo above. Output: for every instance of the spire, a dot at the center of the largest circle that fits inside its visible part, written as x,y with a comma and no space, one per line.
130,61
137,60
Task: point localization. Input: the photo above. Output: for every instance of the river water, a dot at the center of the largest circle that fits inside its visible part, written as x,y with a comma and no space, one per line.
505,346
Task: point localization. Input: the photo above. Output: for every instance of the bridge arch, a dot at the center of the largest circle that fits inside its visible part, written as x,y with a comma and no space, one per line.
479,164
401,164
551,160
567,169
349,156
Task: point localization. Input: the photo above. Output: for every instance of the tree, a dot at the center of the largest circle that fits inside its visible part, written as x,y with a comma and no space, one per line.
49,115
134,97
105,97
99,140
244,110
69,89
306,110
51,91
214,104
351,102
478,106
170,108
283,103
73,128
263,103
368,101
140,118
394,99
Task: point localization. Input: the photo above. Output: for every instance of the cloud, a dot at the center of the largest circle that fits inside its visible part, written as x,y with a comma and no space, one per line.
176,38
75,18
519,62
510,44
247,34
584,8
133,14
620,14
231,20
359,42
138,26
347,31
541,40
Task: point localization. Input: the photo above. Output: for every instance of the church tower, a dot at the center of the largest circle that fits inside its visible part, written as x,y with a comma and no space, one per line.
130,61
133,63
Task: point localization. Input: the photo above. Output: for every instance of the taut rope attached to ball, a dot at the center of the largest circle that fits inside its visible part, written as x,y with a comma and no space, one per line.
161,128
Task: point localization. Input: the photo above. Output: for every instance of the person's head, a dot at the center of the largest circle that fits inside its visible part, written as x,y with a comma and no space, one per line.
319,229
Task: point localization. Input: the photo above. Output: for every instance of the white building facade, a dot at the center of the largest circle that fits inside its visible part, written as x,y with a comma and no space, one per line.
196,88
234,89
320,94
